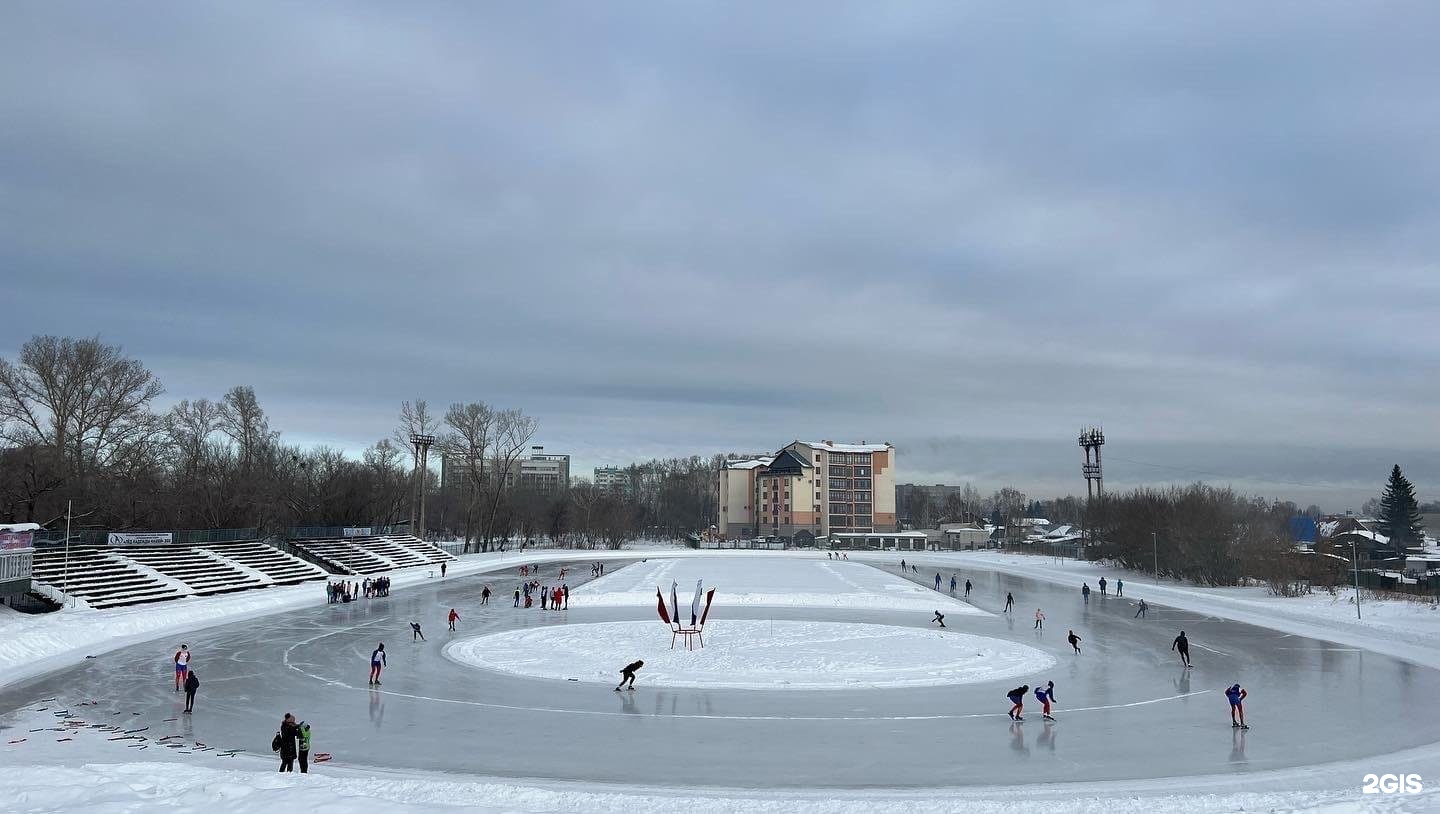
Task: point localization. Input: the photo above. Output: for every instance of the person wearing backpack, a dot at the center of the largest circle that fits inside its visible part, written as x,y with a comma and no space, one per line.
304,747
284,742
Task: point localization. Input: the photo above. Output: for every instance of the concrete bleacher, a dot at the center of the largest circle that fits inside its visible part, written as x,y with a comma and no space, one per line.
112,576
372,554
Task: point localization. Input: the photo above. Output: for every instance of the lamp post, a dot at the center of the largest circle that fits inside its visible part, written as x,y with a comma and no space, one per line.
65,580
1355,564
1155,549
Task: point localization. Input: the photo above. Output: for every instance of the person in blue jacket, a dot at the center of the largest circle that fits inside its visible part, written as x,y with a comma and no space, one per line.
1236,696
1046,695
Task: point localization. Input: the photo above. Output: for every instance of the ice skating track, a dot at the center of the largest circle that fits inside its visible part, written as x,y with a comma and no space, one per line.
1127,708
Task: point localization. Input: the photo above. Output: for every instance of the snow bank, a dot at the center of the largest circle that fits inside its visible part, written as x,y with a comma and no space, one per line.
754,655
808,581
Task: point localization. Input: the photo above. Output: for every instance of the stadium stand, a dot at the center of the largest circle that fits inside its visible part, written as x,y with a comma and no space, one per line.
113,576
372,555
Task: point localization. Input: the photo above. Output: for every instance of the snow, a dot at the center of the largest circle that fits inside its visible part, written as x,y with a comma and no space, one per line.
754,655
747,581
1402,628
20,527
831,447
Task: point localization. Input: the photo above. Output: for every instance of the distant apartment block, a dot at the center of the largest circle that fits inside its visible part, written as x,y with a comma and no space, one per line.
540,471
809,489
611,478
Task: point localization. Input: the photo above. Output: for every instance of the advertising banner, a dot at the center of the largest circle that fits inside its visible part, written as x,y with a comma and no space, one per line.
359,531
141,538
16,540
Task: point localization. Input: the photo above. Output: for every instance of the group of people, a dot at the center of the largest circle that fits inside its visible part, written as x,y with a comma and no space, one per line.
293,739
185,678
1119,589
597,569
836,555
1045,695
552,597
350,591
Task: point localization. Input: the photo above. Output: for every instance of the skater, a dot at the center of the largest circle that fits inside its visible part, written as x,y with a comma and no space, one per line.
628,674
967,589
1102,586
565,595
1074,642
304,748
287,735
377,662
544,596
953,583
192,683
182,665
1236,696
914,569
1017,700
1009,601
903,566
485,595
939,618
1143,607
453,618
1046,695
937,580
1183,645
1119,587
442,570
415,632
1085,592
1039,619
517,596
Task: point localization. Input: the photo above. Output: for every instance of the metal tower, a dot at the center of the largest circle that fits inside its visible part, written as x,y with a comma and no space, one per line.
1092,438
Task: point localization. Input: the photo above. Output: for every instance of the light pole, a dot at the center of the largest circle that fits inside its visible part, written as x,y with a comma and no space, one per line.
65,581
1155,548
1355,563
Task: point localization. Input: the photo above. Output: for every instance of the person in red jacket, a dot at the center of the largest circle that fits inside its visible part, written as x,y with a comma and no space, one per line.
454,617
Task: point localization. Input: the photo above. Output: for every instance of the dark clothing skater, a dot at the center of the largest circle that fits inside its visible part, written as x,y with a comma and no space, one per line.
1085,592
415,632
517,597
1119,587
939,618
628,674
1009,601
377,661
1183,645
485,596
192,683
1143,607
289,732
1017,700
967,589
1074,642
1102,586
442,570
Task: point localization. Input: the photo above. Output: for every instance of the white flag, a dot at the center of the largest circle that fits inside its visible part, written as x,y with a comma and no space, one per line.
695,603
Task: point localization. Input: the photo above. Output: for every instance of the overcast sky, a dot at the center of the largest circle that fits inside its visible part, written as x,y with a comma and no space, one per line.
676,228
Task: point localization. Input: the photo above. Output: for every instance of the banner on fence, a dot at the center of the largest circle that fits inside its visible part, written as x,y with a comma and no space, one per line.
16,540
359,531
140,538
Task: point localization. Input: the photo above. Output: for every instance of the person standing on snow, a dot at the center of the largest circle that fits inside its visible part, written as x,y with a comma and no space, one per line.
1236,696
939,618
1183,645
1017,701
1009,601
442,570
453,618
627,673
565,594
377,662
1046,696
305,742
289,731
1102,586
1085,592
192,683
1074,642
1039,619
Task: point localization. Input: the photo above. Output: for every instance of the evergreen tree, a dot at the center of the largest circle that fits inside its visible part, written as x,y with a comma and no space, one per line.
1399,512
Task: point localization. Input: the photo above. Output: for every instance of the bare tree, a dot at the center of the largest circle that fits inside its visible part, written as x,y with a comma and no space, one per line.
466,446
513,433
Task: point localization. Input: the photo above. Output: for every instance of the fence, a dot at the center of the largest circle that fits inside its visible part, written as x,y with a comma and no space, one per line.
182,536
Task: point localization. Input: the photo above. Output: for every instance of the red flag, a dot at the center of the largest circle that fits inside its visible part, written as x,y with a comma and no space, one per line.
709,597
664,614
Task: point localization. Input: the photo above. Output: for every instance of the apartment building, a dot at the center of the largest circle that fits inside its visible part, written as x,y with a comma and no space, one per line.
611,478
809,489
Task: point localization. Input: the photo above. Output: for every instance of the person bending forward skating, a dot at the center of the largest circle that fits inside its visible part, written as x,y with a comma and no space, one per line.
1182,644
628,674
939,618
1046,695
377,661
1236,696
1074,642
1017,701
415,632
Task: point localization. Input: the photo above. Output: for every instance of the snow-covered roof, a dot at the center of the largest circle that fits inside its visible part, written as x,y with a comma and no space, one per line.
1369,535
1061,531
830,446
909,534
20,527
753,463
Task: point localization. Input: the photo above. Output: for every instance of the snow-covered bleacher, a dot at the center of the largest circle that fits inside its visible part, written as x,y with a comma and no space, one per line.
372,554
111,576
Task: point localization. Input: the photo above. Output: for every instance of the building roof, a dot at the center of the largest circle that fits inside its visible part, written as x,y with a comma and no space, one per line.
914,534
752,463
787,463
831,446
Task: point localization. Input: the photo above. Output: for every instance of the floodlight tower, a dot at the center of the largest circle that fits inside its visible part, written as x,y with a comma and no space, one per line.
422,444
1091,439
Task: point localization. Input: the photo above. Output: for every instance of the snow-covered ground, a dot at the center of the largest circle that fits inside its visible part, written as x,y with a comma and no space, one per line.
1405,629
745,580
755,654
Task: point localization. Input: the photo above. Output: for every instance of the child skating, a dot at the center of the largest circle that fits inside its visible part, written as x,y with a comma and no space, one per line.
1039,619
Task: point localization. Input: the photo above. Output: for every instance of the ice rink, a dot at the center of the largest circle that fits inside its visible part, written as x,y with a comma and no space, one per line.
1127,709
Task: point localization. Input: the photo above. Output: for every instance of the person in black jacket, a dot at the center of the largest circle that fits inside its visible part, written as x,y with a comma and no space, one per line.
628,674
289,733
192,683
1017,701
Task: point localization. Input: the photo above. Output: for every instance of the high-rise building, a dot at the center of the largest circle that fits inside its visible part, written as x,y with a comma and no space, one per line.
611,478
540,472
809,488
